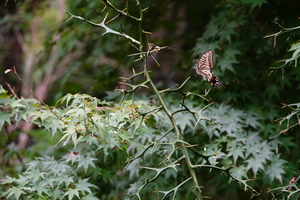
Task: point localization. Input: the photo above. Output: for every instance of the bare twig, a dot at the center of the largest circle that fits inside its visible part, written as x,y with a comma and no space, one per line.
12,91
15,72
283,30
102,25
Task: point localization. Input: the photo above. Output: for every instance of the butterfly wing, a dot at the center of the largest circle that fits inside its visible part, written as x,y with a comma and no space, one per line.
204,66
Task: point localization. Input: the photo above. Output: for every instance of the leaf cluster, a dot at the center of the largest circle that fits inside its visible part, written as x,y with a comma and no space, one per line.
168,146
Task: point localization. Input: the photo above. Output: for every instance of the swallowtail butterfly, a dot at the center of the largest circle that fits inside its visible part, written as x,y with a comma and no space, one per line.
203,68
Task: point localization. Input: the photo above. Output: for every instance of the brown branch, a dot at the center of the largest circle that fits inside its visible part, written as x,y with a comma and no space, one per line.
12,91
15,72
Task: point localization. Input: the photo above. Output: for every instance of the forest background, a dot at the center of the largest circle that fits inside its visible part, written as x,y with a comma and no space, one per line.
245,146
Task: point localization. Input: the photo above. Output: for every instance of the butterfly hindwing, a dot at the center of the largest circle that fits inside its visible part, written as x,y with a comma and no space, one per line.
204,66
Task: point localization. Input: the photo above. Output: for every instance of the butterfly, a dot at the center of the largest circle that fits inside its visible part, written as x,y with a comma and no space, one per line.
203,68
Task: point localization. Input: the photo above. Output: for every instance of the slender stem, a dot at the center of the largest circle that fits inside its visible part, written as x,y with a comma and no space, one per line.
140,26
171,118
12,91
15,72
148,79
103,25
120,11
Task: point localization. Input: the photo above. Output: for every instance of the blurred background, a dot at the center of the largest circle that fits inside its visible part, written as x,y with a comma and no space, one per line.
55,56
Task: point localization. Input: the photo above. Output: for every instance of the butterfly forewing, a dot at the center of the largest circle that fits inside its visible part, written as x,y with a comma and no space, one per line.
204,66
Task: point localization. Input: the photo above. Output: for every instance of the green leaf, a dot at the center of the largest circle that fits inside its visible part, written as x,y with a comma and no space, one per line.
227,64
83,185
239,172
184,120
236,152
72,157
15,191
4,117
275,170
253,3
68,134
35,174
33,164
287,142
256,163
65,179
17,104
86,161
9,180
22,180
58,167
89,197
2,91
71,192
56,193
41,187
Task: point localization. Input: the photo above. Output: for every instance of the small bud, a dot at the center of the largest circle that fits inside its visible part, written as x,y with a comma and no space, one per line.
7,71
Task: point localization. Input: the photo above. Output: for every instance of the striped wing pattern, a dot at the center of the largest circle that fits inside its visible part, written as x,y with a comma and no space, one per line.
204,66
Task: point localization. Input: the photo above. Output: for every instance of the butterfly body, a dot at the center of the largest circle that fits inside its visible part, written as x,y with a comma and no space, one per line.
215,81
203,68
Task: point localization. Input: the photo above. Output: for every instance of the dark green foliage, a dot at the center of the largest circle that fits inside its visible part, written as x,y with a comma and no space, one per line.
178,145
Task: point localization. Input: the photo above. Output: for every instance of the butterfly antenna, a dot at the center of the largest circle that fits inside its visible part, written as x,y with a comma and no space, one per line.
222,85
